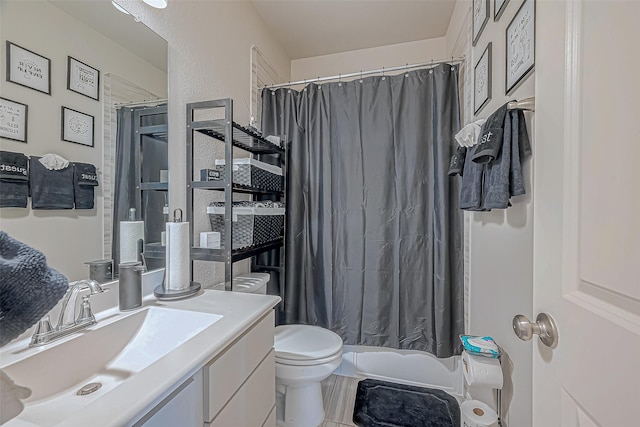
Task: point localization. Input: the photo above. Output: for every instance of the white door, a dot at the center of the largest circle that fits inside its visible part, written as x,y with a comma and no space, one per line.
587,213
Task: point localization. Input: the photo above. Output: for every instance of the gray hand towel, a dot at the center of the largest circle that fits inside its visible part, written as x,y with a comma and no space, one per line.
50,189
490,139
471,187
503,177
14,180
456,166
85,178
29,289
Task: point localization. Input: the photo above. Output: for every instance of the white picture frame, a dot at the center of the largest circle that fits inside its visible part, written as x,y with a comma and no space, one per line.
521,46
77,127
83,79
28,69
482,80
498,8
480,18
13,120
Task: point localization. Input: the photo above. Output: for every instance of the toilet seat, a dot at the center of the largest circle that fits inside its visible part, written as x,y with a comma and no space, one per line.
305,345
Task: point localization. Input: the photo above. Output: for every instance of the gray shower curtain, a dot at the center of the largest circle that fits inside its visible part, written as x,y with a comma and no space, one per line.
374,233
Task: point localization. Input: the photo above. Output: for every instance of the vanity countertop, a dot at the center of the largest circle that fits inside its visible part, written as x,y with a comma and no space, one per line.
139,394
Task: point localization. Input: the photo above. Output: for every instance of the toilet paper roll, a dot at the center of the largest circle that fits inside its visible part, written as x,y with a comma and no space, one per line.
178,265
130,233
481,371
474,413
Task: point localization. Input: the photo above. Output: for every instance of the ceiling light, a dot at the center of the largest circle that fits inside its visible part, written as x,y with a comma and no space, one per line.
158,4
120,8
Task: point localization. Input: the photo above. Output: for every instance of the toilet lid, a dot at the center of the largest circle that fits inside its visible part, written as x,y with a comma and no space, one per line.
304,342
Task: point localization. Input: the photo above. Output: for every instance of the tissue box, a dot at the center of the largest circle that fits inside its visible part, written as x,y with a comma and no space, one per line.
210,239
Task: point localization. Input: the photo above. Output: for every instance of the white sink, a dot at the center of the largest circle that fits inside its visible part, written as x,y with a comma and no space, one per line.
108,353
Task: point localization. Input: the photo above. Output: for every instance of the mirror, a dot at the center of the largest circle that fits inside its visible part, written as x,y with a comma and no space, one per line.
132,64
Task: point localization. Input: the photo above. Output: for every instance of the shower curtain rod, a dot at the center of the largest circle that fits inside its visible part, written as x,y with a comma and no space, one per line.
132,104
382,70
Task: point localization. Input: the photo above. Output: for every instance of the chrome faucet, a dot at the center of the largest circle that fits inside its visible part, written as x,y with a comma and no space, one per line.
45,334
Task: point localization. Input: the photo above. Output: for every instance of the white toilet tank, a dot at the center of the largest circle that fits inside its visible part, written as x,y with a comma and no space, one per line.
253,283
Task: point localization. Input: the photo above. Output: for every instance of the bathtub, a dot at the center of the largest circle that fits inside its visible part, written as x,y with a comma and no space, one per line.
403,366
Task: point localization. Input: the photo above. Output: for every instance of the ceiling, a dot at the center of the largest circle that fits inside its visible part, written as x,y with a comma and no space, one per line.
120,28
309,28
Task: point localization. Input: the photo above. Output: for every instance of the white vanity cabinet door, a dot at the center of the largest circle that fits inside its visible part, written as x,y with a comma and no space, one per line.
183,407
224,375
252,404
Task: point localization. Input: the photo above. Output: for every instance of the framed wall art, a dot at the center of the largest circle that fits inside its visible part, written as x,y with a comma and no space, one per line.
498,8
482,80
13,120
77,127
28,69
480,18
83,79
520,44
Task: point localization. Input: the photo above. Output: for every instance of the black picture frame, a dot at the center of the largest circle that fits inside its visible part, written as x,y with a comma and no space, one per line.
485,57
4,116
498,10
77,127
89,88
21,68
526,72
477,6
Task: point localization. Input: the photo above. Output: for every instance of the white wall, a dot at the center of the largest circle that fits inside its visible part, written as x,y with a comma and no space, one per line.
209,58
368,59
500,243
66,237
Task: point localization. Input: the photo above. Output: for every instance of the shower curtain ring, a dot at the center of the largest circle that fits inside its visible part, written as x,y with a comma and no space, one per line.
339,79
360,76
383,73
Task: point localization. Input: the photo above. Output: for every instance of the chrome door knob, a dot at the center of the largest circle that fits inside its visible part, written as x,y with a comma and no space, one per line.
544,326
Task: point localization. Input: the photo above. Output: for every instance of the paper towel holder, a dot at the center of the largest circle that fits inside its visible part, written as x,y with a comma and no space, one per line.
162,292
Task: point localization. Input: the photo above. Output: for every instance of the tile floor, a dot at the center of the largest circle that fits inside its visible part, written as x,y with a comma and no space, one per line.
339,396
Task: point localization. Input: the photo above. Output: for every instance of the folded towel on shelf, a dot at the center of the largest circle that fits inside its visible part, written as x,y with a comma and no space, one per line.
85,178
480,346
29,288
50,189
54,162
14,180
468,135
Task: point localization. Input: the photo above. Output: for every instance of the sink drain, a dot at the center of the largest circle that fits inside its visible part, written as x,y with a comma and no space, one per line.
89,388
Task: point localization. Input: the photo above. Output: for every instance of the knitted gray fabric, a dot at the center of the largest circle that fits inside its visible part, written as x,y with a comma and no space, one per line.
29,289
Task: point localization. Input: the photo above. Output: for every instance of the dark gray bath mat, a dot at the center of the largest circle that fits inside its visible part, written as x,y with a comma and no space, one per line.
381,403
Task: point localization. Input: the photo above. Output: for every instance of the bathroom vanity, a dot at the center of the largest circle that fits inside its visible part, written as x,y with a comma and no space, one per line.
207,360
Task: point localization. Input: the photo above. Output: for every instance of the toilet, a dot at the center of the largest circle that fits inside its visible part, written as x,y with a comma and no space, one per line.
305,356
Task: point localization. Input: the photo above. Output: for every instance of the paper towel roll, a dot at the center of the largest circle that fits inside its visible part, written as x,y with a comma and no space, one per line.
477,414
130,233
481,371
178,264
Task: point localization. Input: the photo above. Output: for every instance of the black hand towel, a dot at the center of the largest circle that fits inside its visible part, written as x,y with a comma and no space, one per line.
50,189
85,178
29,289
14,180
